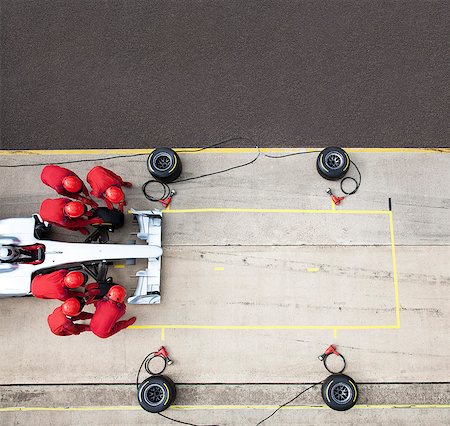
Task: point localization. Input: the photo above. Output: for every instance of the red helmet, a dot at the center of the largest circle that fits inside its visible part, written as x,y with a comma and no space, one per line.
74,209
74,279
72,184
116,293
114,194
71,307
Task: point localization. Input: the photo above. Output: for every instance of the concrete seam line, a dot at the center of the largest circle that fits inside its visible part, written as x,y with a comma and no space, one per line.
214,150
225,407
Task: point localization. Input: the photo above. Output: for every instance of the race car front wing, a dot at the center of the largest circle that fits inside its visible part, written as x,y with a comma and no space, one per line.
149,279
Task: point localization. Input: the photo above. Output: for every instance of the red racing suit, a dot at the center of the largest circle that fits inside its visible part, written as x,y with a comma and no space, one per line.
53,177
52,210
100,179
64,326
51,286
104,322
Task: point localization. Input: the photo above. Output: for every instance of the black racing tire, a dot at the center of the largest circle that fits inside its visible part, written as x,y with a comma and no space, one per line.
164,165
111,218
339,392
333,163
156,393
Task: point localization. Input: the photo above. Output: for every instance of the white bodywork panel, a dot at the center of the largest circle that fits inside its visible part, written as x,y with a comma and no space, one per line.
147,290
15,279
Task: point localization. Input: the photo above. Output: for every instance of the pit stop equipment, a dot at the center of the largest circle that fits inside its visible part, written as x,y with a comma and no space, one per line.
157,392
336,200
331,350
166,201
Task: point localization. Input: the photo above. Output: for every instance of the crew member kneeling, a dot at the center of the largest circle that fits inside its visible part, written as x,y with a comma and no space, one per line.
107,185
67,214
58,285
66,183
105,322
61,320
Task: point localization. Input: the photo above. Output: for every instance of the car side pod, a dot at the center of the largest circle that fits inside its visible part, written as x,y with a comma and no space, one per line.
149,280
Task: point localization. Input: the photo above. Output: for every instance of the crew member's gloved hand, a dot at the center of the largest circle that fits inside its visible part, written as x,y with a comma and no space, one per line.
92,291
89,202
131,321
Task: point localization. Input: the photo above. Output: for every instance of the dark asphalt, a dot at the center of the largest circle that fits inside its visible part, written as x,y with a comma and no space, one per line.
137,74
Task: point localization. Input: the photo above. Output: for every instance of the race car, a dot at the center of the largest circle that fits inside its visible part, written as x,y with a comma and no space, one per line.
25,252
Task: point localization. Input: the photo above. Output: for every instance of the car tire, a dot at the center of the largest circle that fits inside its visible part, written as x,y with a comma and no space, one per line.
111,218
339,392
156,393
333,163
164,165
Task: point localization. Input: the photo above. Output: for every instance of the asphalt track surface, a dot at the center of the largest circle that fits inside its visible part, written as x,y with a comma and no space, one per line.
138,74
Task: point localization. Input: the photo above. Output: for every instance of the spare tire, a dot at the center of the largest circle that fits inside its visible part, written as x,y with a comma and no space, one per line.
339,392
164,164
333,163
113,219
156,393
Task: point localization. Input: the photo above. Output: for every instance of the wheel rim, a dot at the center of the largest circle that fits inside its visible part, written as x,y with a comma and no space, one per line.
341,393
334,160
162,162
154,395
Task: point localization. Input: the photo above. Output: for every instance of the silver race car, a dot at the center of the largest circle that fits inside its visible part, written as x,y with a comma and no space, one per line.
25,251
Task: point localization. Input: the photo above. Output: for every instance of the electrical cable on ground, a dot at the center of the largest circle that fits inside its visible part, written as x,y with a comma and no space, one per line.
125,155
179,421
166,187
286,403
357,182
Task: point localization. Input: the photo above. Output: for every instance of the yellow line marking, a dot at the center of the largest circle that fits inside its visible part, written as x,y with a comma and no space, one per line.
294,211
265,327
163,334
119,266
334,332
313,269
93,408
226,407
293,327
219,268
404,150
394,268
304,407
213,150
